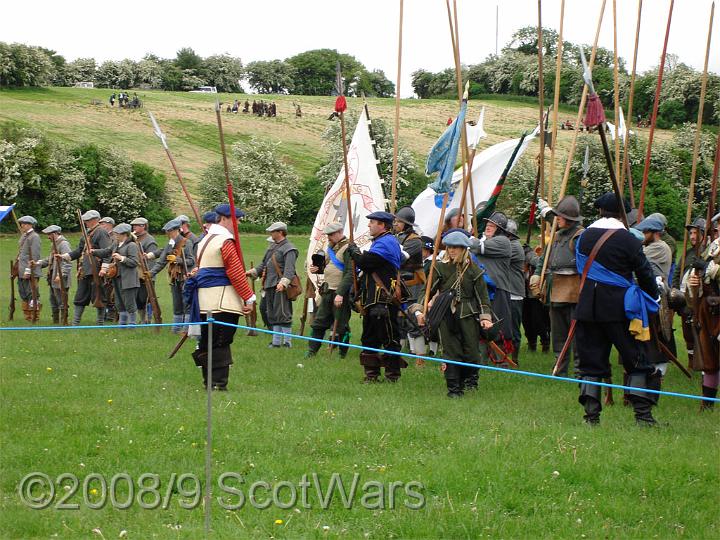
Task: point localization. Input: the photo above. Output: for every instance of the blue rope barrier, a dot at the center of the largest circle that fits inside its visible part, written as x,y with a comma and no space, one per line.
488,368
100,326
350,345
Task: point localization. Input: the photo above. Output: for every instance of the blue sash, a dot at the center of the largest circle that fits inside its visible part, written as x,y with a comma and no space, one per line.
491,287
386,245
205,278
638,303
337,262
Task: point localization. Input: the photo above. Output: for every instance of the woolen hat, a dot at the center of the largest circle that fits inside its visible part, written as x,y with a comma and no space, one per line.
451,214
456,238
90,214
385,217
123,228
139,221
661,217
172,225
650,224
608,201
28,219
107,219
333,227
183,218
210,217
428,243
277,226
224,210
51,229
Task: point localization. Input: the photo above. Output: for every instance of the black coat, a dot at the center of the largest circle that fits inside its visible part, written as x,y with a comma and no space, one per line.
622,253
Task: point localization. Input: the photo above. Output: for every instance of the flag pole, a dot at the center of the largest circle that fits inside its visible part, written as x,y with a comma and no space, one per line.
393,188
653,118
628,120
571,153
556,104
616,92
696,145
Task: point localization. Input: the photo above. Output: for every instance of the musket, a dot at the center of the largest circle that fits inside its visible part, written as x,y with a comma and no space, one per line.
160,135
695,325
11,307
252,317
309,291
34,293
55,263
149,287
98,301
179,345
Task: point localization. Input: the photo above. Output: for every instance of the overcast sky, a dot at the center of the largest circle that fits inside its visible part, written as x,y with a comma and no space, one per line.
366,29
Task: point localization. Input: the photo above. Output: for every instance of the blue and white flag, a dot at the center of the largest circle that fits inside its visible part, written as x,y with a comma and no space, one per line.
5,210
443,154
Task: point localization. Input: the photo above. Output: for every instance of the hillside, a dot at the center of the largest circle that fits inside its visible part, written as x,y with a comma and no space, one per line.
189,122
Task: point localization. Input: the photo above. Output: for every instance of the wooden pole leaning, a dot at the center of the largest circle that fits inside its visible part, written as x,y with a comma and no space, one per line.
696,145
573,145
628,120
393,185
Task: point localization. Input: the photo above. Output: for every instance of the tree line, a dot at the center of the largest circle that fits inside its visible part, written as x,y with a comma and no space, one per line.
308,73
514,72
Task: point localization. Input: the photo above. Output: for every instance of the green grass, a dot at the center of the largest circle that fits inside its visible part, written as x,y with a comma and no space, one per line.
189,121
512,461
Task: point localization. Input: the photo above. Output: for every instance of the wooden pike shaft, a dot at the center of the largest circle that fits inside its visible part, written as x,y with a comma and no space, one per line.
194,209
653,118
616,93
454,30
393,188
556,104
541,99
573,145
713,192
696,145
438,236
628,120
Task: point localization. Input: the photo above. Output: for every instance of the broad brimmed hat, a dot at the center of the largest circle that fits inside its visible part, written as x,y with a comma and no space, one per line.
90,214
277,226
499,219
51,229
139,221
569,208
407,215
699,224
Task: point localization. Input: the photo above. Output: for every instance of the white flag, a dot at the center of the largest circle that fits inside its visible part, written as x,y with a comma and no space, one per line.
366,194
487,167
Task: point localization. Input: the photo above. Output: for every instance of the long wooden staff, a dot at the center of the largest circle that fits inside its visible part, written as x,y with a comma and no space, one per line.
160,135
696,147
653,118
541,101
228,183
571,153
628,120
438,234
556,105
393,185
713,194
455,37
616,94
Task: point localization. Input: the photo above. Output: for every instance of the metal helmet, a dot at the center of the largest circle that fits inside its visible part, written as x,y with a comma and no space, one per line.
512,228
499,219
406,214
568,208
699,224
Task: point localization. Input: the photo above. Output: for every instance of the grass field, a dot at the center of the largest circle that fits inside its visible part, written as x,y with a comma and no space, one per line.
189,121
513,460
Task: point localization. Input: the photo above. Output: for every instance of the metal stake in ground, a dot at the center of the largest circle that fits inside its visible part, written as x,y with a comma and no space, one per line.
208,444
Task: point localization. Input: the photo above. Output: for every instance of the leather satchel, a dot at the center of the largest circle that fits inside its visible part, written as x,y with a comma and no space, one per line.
294,289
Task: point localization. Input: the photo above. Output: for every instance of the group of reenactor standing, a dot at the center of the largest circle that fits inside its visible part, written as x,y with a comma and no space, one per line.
603,286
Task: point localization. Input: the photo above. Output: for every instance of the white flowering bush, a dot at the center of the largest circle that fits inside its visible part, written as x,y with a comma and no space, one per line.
263,184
